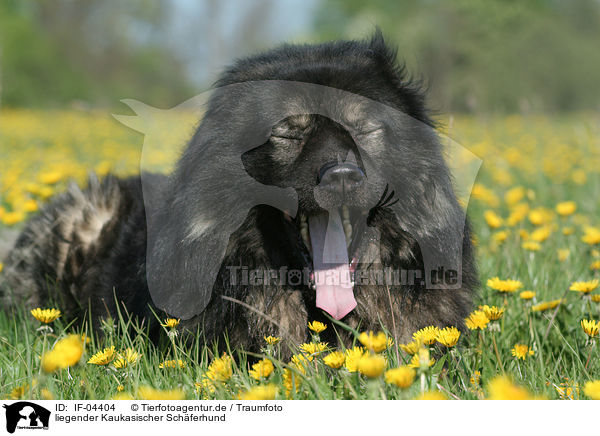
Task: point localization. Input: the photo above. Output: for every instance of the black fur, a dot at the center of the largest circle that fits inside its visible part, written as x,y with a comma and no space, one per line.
87,268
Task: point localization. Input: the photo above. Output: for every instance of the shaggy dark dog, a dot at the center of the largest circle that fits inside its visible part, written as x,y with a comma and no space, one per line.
353,184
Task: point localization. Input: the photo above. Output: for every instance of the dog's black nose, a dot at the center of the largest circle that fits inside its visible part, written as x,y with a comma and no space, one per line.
344,177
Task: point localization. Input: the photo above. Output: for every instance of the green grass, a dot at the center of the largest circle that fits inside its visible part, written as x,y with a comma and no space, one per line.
545,155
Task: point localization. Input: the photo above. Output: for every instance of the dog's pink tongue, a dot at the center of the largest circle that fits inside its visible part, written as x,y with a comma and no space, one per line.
330,262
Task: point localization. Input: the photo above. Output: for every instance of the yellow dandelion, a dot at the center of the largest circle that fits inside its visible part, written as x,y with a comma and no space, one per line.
262,369
493,313
563,254
353,355
448,336
568,231
566,208
592,389
595,266
547,305
103,357
591,236
595,298
427,335
371,366
508,285
313,349
540,234
475,379
527,295
402,377
265,392
431,395
129,357
477,320
317,326
540,216
584,287
521,351
272,340
412,347
300,362
590,327
67,352
531,246
291,381
492,219
172,364
149,393
171,323
220,369
1,266
376,342
422,359
500,236
502,388
514,195
45,315
335,360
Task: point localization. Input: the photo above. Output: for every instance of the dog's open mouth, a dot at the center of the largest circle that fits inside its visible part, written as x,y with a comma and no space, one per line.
332,239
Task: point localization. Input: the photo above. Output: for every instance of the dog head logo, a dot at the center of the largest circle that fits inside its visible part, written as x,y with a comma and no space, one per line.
26,415
220,177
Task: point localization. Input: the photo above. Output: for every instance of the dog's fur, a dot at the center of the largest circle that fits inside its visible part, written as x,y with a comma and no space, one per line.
91,245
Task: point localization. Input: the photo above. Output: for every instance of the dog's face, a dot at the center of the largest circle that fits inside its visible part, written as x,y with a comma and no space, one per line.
340,128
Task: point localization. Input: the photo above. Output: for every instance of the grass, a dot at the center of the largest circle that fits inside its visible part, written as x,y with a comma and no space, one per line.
530,164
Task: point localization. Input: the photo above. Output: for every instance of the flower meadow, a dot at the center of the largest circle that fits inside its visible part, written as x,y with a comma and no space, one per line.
533,333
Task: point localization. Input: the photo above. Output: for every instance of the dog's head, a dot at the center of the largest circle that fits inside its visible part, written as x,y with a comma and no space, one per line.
328,134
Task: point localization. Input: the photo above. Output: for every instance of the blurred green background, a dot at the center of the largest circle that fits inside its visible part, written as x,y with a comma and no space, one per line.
474,55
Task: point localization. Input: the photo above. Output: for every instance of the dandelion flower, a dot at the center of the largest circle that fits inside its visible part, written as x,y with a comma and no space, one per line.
563,254
313,348
127,358
540,234
267,392
514,195
291,381
591,236
376,342
103,357
422,359
566,208
171,323
477,320
335,359
272,340
67,352
592,389
540,216
595,266
493,313
45,315
448,336
149,393
492,219
371,366
172,364
508,285
317,326
527,295
547,305
220,369
568,231
1,266
401,377
590,327
584,287
521,351
595,298
502,388
531,246
427,335
353,355
475,378
412,347
262,369
431,395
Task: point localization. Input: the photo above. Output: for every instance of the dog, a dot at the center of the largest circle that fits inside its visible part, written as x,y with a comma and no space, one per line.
313,166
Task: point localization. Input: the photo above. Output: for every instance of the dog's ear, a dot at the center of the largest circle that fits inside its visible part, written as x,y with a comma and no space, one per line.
192,214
